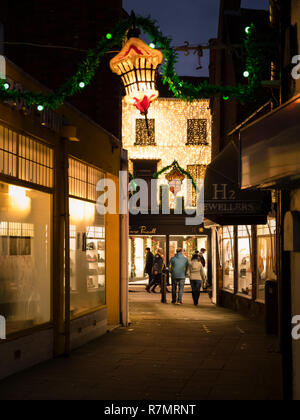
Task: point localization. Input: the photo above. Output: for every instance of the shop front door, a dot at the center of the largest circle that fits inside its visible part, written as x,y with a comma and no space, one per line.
188,244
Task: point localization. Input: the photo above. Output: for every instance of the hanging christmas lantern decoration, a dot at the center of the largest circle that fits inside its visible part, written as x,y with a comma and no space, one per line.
175,179
137,65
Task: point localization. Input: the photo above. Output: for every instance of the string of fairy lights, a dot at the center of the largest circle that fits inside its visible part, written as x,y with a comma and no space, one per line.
170,118
180,89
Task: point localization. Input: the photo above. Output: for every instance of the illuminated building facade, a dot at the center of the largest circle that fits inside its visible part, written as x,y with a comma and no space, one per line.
177,131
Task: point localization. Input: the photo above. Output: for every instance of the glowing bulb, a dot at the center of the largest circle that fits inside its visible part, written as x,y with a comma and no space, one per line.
6,85
19,199
246,74
81,85
40,108
108,36
226,98
248,30
152,45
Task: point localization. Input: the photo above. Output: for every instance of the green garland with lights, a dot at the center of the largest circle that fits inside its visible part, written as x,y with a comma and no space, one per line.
175,165
181,89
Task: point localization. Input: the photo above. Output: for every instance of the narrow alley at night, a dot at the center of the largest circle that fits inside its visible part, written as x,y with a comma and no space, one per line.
150,203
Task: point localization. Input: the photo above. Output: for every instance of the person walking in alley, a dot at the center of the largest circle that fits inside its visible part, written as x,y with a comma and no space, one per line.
201,257
178,267
148,267
158,269
197,277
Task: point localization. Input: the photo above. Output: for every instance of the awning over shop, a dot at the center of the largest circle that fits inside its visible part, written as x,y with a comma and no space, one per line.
270,148
163,224
225,202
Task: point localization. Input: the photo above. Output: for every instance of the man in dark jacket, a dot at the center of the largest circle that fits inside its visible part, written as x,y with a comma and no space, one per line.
148,267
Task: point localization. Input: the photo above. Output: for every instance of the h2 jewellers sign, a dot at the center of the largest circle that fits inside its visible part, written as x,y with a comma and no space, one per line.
224,199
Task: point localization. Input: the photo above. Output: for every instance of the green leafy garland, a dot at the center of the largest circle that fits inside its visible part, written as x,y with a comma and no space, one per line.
181,89
175,165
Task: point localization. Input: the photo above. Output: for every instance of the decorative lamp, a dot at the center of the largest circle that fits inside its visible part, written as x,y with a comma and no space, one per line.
175,179
137,65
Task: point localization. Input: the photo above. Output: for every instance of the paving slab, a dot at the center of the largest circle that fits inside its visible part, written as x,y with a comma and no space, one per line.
169,352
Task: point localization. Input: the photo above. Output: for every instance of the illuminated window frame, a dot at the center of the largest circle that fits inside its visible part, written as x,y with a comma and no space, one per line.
26,158
16,229
35,162
83,180
228,234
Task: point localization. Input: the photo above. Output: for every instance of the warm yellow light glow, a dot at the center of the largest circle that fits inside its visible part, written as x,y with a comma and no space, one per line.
170,116
19,199
81,211
170,134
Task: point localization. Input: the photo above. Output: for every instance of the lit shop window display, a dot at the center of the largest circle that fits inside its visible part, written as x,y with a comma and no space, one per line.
228,257
266,256
87,257
25,257
245,260
137,256
188,244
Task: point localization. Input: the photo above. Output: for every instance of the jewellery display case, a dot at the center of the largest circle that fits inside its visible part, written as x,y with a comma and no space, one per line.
87,254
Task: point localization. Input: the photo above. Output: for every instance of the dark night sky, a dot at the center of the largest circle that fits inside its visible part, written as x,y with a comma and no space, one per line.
195,21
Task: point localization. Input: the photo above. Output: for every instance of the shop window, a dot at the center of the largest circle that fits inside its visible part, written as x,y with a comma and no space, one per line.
87,240
245,260
196,132
35,162
25,257
87,257
137,253
266,256
16,238
25,158
8,151
228,263
83,180
144,136
188,244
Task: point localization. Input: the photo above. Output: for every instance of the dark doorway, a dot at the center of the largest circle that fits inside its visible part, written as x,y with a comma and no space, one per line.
144,169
